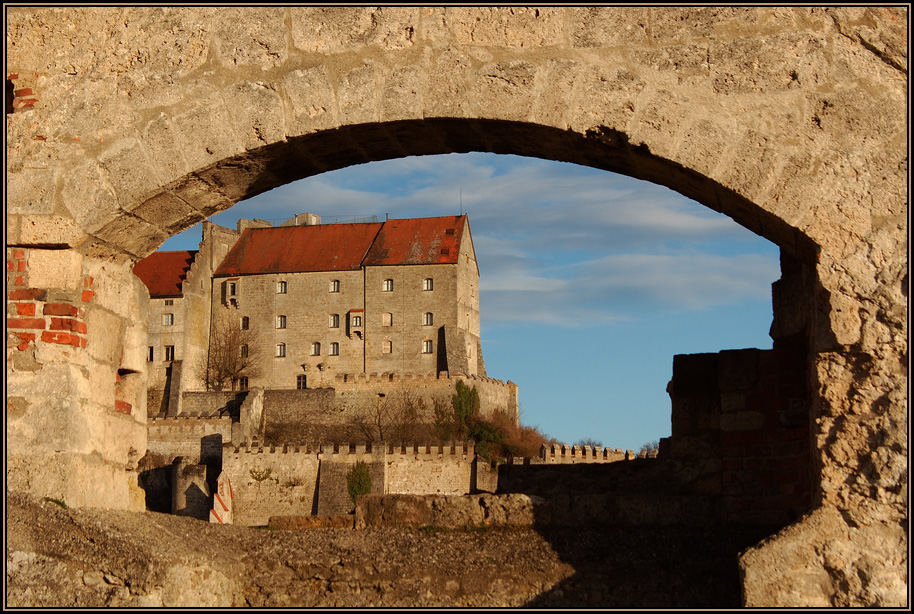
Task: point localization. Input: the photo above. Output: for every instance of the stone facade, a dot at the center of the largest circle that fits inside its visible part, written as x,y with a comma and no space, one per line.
791,120
179,322
307,329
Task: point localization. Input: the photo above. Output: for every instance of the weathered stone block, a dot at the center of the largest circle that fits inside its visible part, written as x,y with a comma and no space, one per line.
55,269
248,36
505,90
335,29
259,120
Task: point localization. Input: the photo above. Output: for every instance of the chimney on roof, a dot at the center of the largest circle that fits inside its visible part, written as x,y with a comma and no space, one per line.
304,219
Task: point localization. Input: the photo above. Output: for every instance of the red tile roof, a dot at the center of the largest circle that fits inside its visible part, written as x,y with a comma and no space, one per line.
344,247
163,272
294,249
430,240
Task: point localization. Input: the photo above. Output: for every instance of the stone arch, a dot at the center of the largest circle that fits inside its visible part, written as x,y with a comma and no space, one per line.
143,121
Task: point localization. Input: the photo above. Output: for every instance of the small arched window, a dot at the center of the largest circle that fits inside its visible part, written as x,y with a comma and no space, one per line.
388,285
316,349
428,319
280,350
335,285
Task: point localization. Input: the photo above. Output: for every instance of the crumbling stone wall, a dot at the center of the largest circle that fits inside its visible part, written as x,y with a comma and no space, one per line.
791,120
76,389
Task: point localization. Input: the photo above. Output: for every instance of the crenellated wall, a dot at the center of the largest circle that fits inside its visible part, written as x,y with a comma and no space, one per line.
445,469
304,479
197,439
271,481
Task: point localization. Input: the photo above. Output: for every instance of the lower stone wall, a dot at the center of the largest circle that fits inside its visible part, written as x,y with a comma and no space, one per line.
271,482
427,470
298,480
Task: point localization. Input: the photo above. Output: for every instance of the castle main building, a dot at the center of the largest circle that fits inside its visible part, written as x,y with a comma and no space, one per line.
317,306
400,296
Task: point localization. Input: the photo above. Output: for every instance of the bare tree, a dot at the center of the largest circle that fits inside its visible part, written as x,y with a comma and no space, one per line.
397,417
233,353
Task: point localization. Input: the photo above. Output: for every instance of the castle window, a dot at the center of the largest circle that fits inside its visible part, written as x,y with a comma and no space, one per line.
151,355
243,382
335,285
245,323
280,321
169,302
428,319
281,287
280,350
232,288
244,350
334,320
168,319
316,349
387,319
334,349
388,285
301,382
169,352
387,347
428,284
427,346
356,320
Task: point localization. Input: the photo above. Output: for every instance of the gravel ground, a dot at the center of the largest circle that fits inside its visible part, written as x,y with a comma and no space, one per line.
91,558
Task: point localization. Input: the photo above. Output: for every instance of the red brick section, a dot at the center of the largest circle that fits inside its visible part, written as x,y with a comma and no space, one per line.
24,98
122,407
61,322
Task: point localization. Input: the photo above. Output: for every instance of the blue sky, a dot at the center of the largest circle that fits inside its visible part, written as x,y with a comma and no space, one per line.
590,281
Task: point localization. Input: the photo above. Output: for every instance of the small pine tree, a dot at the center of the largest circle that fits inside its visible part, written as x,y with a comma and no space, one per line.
466,406
358,481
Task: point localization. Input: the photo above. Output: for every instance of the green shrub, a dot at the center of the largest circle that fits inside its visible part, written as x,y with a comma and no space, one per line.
358,480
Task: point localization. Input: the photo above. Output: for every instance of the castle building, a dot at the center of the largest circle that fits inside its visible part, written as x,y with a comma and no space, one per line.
400,296
315,305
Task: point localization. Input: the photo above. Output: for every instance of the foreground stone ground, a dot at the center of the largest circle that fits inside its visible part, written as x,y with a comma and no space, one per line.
91,558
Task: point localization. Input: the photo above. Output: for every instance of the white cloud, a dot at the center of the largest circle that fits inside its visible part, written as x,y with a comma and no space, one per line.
556,243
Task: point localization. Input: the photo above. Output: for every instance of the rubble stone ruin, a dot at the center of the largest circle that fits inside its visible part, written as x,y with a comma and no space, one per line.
128,125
